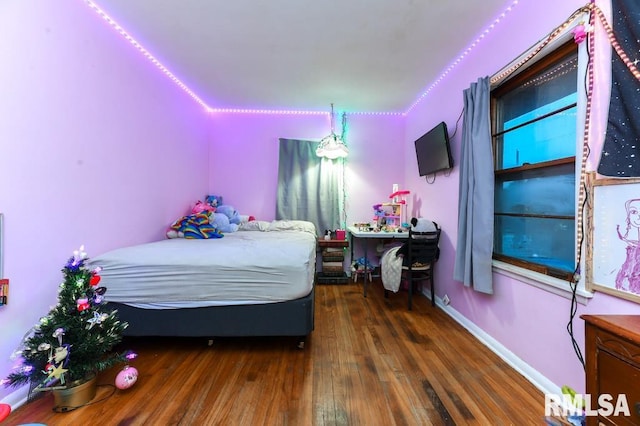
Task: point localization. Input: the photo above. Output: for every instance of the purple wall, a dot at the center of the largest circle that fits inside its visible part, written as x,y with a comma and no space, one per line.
529,322
96,148
244,158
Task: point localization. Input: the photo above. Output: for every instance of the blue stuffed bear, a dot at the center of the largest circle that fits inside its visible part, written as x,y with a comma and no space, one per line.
230,212
221,222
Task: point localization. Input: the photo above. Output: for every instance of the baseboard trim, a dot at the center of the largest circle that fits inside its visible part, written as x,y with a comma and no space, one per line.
545,385
17,398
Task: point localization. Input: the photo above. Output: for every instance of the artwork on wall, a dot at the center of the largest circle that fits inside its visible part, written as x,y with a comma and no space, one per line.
613,244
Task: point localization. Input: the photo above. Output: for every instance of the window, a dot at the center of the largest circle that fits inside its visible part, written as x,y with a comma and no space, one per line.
534,141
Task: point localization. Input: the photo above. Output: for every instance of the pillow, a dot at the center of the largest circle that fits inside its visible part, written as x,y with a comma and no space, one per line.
293,225
254,225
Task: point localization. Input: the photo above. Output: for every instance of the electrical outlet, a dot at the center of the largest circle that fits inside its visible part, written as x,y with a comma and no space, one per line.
446,300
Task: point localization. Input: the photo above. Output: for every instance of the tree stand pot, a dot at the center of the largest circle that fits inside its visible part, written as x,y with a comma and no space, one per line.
75,396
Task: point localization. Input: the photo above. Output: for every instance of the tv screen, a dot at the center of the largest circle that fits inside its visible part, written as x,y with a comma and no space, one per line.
433,151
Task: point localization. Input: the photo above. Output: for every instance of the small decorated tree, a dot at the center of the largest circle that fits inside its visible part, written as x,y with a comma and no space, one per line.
75,340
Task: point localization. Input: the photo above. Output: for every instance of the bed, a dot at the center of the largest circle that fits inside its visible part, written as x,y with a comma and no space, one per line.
257,281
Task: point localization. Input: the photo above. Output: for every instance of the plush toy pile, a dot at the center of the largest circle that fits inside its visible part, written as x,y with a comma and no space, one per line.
194,226
208,219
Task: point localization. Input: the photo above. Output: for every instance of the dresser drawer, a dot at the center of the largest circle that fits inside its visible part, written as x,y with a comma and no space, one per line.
612,347
618,377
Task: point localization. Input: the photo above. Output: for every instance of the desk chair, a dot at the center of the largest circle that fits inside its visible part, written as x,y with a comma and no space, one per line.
421,252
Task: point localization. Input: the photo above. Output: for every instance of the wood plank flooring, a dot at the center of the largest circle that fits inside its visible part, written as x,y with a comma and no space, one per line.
369,361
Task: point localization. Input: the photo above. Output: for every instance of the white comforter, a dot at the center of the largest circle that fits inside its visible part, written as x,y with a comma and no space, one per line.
272,262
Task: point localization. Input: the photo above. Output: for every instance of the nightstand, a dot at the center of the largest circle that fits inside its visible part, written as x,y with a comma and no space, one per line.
332,267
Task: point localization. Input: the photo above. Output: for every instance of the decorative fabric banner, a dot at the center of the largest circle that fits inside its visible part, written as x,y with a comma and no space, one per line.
621,149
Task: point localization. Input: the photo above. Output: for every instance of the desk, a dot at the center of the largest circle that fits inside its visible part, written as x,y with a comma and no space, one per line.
366,236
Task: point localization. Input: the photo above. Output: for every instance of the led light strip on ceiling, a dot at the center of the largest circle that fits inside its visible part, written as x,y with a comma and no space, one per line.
209,109
466,52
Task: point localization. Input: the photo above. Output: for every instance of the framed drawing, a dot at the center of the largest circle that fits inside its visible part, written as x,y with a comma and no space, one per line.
613,237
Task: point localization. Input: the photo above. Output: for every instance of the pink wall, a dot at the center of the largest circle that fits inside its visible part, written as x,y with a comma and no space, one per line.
244,158
96,148
528,321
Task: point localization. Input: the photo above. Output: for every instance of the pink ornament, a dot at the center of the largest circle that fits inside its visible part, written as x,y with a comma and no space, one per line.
83,304
126,378
579,33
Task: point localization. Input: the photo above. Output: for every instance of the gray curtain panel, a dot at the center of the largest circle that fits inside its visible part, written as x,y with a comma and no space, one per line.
308,186
475,209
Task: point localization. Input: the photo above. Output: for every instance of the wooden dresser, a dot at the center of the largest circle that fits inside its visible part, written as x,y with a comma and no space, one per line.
612,348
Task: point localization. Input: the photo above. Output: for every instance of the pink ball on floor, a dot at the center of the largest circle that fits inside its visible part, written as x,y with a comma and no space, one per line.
126,378
5,410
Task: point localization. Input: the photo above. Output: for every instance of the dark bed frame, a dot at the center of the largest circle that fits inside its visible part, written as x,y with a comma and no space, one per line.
290,318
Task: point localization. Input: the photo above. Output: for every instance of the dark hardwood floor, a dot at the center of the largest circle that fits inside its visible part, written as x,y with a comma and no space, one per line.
369,361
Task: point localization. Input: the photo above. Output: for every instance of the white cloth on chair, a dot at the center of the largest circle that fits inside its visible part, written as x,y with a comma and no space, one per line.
391,270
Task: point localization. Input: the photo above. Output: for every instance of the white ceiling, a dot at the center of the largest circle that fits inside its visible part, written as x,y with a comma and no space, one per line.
361,55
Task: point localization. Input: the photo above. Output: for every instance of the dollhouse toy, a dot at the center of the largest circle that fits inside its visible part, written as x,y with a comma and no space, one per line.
389,216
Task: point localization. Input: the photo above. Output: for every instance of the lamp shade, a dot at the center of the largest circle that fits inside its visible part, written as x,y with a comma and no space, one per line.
332,147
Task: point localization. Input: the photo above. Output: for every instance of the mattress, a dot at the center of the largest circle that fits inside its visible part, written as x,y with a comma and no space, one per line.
264,264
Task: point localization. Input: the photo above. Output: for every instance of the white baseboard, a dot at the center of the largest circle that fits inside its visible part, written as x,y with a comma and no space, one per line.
17,398
545,385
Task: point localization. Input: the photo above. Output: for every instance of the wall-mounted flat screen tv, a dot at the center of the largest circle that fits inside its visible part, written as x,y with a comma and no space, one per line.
433,151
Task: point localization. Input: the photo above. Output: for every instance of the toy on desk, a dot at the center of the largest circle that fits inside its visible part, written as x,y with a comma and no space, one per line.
363,226
387,216
378,215
398,197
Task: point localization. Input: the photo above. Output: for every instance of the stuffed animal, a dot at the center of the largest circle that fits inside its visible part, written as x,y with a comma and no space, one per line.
420,224
230,212
200,207
221,222
213,200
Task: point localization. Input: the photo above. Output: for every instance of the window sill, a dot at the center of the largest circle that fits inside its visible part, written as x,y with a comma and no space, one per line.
543,282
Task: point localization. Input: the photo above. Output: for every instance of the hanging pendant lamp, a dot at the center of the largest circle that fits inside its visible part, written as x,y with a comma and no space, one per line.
333,146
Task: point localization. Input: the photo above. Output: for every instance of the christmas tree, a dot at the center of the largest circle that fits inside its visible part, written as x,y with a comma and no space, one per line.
75,340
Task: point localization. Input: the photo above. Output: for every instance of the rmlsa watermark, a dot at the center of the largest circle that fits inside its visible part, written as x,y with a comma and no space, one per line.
586,404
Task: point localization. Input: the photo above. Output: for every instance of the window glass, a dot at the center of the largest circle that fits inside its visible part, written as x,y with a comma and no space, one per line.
535,216
539,141
534,122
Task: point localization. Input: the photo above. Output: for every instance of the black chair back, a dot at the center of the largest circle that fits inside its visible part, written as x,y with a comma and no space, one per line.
422,247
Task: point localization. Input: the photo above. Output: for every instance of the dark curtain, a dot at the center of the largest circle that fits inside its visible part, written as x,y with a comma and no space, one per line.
475,210
621,149
308,186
